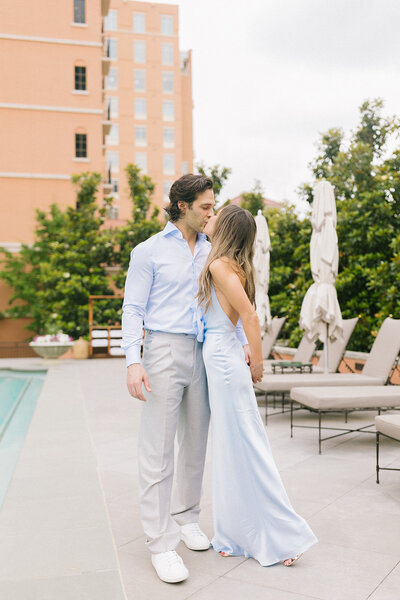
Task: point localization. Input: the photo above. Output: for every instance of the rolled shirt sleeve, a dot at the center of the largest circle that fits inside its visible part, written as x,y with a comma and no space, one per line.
240,333
137,290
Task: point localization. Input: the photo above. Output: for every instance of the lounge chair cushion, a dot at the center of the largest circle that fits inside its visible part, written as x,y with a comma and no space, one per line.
347,397
388,425
285,382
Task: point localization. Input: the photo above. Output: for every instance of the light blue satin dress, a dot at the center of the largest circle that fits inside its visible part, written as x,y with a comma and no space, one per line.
253,516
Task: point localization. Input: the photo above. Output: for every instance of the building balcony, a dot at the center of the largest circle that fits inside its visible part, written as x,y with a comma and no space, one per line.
105,65
107,183
105,7
106,127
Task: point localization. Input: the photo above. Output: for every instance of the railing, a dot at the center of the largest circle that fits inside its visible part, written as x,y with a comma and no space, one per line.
16,350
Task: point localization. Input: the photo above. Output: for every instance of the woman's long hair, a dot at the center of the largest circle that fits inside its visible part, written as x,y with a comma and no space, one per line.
233,238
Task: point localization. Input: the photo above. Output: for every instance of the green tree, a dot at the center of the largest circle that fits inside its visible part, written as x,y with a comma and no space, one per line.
52,278
218,174
140,227
253,201
365,172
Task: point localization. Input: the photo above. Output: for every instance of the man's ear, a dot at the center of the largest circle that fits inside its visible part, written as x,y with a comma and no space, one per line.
182,206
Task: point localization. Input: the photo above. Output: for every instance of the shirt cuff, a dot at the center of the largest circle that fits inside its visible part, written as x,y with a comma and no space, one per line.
132,355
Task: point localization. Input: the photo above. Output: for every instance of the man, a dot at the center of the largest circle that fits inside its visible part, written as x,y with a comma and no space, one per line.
160,291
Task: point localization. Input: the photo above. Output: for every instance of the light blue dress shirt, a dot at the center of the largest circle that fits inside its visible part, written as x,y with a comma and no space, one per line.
161,287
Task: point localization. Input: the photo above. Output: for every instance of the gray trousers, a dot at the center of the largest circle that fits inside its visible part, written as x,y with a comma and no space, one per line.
177,404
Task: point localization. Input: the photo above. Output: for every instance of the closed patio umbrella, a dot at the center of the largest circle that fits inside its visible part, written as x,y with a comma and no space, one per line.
320,314
262,246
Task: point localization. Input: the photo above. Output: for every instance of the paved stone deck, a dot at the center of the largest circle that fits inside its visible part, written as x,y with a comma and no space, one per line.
70,529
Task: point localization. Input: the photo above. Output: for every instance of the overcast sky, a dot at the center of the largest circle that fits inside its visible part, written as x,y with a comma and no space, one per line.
270,75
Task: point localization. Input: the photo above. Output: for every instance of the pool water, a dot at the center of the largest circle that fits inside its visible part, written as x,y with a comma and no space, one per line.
19,391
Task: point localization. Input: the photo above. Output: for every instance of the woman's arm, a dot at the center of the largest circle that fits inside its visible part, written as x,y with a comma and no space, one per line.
228,282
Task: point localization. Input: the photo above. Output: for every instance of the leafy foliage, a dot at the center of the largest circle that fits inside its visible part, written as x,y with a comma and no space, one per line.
53,278
366,178
253,201
218,174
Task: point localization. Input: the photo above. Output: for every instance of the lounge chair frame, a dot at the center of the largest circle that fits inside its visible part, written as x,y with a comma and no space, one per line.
378,468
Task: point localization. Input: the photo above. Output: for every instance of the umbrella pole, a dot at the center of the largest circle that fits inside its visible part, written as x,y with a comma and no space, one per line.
326,351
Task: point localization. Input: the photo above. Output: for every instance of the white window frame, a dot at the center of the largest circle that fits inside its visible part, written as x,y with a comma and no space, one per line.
168,137
139,56
167,117
139,139
141,161
114,164
167,25
142,17
169,164
112,71
167,54
167,77
112,106
112,139
135,80
166,188
140,115
111,21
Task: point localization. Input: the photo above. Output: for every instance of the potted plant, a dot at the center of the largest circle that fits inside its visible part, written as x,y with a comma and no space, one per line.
54,343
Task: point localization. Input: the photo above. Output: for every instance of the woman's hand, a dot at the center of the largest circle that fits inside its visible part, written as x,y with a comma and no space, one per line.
257,371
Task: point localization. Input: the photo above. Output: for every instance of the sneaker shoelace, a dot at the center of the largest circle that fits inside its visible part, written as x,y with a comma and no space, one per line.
195,530
173,558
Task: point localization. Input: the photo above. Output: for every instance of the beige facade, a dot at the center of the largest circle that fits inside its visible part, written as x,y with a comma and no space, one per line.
148,97
87,86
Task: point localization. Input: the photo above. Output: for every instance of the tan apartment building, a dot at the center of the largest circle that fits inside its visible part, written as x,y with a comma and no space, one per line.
87,86
148,98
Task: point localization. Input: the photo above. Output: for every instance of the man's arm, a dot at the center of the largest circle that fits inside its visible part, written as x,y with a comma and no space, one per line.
240,334
137,289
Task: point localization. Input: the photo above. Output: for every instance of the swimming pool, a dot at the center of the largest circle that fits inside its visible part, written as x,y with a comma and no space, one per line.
19,391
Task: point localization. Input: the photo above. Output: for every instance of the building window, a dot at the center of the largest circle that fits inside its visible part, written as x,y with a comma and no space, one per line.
112,139
111,49
112,161
168,164
80,78
141,161
139,51
113,212
139,22
111,108
166,24
112,79
115,185
185,167
140,108
80,145
141,135
110,21
168,137
168,110
139,80
79,11
167,54
168,83
167,187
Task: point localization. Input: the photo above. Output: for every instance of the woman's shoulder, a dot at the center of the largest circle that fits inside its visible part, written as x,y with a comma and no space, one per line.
223,266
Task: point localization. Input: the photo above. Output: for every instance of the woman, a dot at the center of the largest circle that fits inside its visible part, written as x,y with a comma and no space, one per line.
253,516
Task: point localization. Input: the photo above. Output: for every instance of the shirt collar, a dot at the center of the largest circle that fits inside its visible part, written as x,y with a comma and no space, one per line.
171,229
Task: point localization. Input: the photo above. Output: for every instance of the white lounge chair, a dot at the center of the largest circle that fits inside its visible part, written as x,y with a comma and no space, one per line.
389,426
303,354
376,371
337,348
270,337
342,399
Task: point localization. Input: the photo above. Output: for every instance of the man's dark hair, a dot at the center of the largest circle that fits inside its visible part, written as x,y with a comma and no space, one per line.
186,189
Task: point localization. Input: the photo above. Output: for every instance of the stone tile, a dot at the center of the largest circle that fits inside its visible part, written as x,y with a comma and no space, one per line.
44,553
389,588
225,587
101,585
326,571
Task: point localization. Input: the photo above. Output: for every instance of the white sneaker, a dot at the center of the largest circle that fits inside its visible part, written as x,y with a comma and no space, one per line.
169,567
194,538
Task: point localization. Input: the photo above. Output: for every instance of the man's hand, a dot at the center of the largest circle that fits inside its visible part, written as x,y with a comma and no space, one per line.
136,375
247,353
